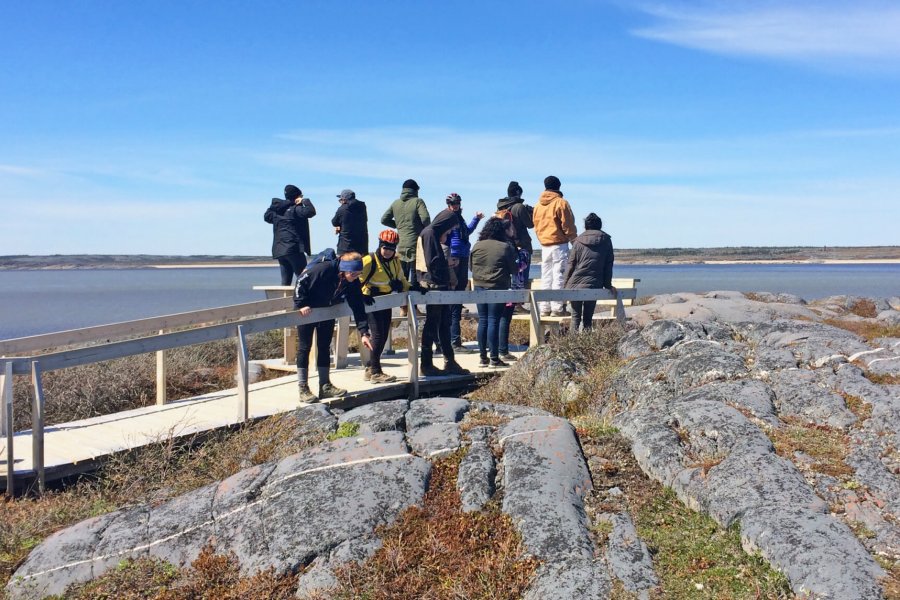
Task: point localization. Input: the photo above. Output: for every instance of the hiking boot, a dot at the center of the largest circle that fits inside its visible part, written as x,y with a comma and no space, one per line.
306,395
559,313
329,390
404,310
430,371
382,378
368,374
508,357
545,313
483,361
496,363
460,349
453,368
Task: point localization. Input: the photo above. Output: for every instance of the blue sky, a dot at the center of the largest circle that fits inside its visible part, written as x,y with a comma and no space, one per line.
166,127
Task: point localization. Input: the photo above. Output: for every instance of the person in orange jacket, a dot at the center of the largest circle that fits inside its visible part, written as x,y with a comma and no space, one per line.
554,225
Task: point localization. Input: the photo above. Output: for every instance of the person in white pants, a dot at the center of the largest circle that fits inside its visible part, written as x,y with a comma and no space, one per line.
554,225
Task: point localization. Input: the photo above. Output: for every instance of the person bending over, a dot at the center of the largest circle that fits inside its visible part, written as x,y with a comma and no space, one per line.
325,284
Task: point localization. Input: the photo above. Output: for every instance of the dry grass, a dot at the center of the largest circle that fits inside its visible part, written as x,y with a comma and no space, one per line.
864,308
482,418
883,379
150,475
859,407
868,330
829,447
529,382
438,552
210,576
130,382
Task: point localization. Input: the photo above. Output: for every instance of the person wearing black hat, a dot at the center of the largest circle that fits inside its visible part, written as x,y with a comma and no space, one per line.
409,216
554,225
433,272
290,231
351,224
590,266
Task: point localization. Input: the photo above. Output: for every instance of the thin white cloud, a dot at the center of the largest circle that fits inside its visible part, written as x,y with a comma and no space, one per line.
20,171
801,31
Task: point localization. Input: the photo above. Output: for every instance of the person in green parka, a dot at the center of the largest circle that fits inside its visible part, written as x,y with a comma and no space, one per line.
409,216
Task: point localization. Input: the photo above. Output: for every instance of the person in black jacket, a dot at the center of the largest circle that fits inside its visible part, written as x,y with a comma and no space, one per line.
325,284
521,217
351,223
290,231
434,274
590,266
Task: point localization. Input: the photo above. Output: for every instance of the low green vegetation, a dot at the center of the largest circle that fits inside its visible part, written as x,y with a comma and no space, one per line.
346,430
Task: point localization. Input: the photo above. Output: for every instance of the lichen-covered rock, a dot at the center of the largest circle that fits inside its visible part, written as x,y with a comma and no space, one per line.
431,411
477,472
627,556
572,578
389,415
817,553
545,480
807,394
270,516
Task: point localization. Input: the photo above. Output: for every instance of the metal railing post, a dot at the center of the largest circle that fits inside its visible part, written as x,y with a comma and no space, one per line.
8,425
243,373
536,332
37,425
160,376
412,345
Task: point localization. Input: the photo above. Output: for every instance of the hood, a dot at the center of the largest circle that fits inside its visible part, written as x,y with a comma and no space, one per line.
444,221
548,196
508,202
593,237
355,205
408,193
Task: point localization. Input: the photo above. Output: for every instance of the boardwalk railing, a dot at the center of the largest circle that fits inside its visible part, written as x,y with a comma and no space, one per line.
243,319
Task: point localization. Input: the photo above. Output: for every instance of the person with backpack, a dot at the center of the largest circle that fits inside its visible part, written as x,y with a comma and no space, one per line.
459,264
382,274
554,225
351,223
590,266
409,216
290,231
493,262
327,281
433,271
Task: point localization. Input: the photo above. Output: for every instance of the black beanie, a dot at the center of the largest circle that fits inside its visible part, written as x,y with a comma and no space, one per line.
592,221
514,189
411,184
551,183
292,192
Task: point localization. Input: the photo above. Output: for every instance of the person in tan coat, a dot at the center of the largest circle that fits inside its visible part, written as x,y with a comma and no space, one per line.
554,226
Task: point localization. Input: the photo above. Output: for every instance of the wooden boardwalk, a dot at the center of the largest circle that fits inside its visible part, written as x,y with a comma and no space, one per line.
79,446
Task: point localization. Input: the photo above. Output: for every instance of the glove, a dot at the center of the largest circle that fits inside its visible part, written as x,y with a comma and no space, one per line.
369,300
416,287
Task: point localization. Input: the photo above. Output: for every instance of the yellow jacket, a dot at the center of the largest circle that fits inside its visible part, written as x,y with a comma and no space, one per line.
554,222
377,275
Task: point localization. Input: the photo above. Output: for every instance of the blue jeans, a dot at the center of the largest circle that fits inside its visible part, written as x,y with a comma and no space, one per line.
489,328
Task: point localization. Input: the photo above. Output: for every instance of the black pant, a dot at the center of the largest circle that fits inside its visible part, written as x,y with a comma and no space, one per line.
436,328
324,330
583,314
462,282
409,270
380,328
292,264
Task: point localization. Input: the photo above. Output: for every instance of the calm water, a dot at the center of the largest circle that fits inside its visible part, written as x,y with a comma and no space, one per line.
33,302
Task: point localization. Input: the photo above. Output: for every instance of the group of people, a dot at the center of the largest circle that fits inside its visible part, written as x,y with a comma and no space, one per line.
418,253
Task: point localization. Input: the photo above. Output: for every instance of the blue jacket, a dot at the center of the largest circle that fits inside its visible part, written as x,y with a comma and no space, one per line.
460,247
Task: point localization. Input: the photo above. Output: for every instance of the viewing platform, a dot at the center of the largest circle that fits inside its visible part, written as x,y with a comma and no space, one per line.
31,458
